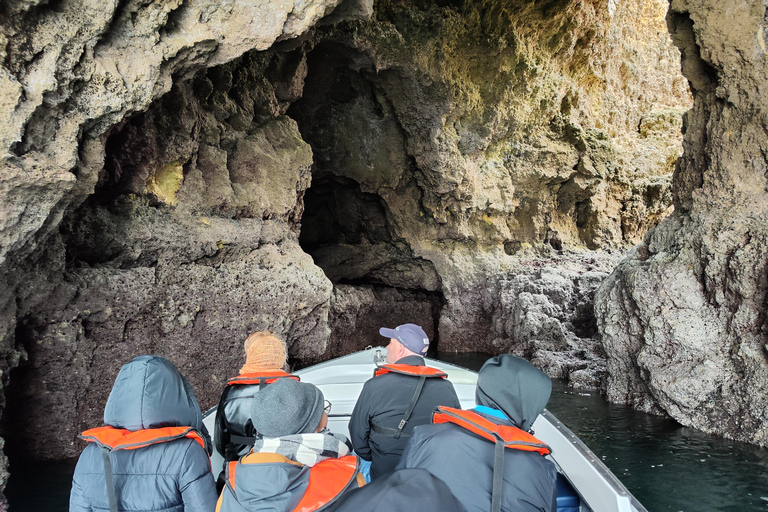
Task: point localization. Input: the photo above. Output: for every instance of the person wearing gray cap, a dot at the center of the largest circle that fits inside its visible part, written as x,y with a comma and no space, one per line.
402,394
488,456
296,463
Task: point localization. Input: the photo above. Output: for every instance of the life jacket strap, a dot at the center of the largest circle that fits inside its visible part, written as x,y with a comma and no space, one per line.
414,399
387,431
244,440
498,475
111,496
397,433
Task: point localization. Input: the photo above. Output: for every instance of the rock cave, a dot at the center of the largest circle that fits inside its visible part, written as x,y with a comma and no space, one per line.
580,183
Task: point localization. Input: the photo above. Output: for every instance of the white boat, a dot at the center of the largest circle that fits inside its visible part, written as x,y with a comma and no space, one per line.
586,483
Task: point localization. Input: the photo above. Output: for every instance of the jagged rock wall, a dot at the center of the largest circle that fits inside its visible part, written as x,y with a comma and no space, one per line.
71,72
684,316
488,164
188,244
496,138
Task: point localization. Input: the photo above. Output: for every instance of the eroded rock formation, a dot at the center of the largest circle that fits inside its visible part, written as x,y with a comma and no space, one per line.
170,168
71,72
684,316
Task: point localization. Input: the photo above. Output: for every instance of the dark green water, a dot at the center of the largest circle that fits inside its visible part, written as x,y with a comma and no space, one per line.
666,466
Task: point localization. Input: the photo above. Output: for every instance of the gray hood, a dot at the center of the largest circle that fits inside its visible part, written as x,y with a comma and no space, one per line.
515,387
149,392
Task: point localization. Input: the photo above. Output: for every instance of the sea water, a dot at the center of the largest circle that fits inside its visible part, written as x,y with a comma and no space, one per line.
666,466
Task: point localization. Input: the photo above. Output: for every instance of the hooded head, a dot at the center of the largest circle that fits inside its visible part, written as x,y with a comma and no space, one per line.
149,392
515,387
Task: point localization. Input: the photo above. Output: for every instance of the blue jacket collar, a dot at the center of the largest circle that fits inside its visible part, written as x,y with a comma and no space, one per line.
491,412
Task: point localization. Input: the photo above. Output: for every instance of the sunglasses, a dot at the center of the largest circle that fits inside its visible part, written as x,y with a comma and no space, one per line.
327,407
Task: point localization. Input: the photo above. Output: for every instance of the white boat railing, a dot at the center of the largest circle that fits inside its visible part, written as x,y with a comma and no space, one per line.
595,483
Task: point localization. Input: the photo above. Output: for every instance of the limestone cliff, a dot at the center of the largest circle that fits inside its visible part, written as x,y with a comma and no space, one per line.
178,174
72,72
684,316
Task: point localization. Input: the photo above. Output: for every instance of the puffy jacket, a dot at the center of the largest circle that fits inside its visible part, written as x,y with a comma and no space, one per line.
383,402
170,476
401,491
270,482
464,461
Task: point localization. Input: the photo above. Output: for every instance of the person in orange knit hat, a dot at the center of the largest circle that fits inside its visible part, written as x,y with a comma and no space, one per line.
263,352
265,363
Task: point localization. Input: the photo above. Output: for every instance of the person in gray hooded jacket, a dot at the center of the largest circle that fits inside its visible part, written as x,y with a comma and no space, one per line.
152,454
465,450
296,464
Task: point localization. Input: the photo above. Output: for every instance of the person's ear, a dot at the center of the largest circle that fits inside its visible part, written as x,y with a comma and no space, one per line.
323,422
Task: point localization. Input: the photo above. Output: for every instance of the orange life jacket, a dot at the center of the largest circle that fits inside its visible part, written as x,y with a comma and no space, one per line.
122,439
503,436
328,479
512,437
267,377
111,438
407,369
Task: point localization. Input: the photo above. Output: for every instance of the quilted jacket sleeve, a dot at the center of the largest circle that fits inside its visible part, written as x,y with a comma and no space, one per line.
198,490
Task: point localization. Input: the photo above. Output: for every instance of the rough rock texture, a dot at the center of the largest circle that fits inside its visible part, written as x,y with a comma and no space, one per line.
456,147
74,70
357,313
684,317
478,167
188,244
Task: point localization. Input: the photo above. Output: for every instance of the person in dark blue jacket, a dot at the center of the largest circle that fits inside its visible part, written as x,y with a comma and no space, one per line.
488,456
401,491
152,455
402,394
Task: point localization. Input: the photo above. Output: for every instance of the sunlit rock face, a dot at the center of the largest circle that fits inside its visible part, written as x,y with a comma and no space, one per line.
684,316
501,154
476,169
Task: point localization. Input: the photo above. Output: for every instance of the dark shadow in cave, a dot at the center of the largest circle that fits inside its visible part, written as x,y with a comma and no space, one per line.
346,232
358,148
337,212
18,395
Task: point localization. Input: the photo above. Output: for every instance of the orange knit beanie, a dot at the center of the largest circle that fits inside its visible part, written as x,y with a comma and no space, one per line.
263,352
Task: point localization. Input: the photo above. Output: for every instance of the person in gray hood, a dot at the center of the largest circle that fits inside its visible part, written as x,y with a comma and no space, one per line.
488,456
152,455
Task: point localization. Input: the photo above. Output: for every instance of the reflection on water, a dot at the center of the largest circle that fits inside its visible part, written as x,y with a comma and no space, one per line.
666,466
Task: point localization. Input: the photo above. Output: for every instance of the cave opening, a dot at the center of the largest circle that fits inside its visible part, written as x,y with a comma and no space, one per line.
348,226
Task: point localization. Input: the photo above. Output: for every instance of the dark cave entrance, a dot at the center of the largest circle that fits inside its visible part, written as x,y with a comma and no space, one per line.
347,226
377,280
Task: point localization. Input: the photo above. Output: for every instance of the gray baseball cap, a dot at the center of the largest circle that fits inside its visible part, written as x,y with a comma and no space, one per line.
411,336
